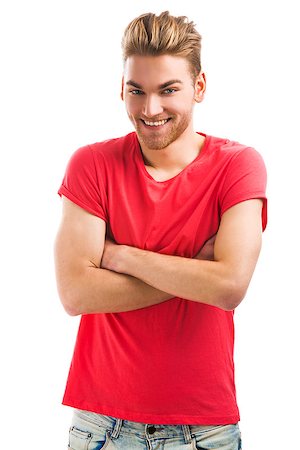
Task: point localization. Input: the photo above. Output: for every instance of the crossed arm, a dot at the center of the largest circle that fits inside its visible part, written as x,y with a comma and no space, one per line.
94,275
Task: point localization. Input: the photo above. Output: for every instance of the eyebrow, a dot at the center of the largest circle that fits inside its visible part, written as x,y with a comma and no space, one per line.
161,86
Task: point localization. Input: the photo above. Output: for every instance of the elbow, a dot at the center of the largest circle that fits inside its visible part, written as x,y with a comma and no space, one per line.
233,296
71,309
70,302
231,303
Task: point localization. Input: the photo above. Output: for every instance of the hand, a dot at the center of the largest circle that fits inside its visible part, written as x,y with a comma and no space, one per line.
111,255
207,251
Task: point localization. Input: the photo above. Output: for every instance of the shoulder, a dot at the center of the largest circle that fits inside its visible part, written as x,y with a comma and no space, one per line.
113,147
228,152
98,153
229,147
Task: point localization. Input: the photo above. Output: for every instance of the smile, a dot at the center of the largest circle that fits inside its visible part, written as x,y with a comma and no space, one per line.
155,124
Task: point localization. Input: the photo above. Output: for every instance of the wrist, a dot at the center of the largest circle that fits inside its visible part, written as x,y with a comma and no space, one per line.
129,259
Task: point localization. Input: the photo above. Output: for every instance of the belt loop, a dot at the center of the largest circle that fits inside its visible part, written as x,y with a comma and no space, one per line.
187,434
117,428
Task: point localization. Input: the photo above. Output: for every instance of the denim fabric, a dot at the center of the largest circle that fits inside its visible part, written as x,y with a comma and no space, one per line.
90,431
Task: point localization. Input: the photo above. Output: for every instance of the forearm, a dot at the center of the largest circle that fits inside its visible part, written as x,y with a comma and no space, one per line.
99,290
203,281
222,282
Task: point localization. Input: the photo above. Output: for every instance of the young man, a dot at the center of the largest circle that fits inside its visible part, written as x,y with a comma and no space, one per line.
160,235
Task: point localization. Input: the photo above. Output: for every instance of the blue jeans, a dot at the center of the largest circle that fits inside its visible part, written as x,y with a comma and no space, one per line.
90,431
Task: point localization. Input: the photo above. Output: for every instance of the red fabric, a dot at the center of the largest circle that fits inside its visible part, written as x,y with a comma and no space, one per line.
170,363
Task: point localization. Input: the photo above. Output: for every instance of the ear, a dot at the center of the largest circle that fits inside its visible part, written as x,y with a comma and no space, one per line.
200,87
122,89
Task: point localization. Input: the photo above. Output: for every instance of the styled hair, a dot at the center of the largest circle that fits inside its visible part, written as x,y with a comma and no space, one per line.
151,35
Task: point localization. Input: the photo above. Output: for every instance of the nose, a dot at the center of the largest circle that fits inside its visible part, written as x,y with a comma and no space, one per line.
152,106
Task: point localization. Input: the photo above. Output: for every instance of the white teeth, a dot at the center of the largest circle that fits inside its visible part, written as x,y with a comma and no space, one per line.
156,124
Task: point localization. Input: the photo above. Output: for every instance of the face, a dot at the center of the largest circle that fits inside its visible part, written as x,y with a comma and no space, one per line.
160,95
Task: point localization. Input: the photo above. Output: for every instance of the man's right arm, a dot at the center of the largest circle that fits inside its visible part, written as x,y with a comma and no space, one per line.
85,288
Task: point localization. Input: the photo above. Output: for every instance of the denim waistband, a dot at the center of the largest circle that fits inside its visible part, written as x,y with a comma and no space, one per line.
115,426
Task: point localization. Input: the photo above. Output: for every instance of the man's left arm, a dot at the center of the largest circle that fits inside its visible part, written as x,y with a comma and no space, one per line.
222,282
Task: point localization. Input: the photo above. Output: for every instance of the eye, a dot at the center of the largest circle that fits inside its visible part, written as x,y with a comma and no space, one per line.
169,91
136,92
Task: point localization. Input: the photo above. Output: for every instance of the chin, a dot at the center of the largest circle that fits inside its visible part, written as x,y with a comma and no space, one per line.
156,144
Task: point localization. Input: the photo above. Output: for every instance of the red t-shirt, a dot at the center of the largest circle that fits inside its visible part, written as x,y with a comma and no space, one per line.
170,363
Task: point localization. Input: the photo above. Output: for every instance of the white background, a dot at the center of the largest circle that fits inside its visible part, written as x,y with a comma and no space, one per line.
60,89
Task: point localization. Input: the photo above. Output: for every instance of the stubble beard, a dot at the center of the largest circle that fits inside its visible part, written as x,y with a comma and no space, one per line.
161,140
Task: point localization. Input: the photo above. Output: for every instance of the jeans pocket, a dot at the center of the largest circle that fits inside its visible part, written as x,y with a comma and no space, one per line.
85,440
220,437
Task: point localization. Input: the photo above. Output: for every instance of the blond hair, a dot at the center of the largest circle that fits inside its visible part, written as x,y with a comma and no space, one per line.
151,35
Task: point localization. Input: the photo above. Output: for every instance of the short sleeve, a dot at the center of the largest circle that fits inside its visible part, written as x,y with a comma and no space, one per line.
245,179
81,183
